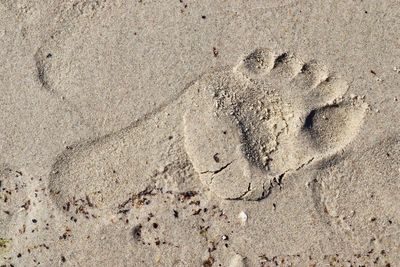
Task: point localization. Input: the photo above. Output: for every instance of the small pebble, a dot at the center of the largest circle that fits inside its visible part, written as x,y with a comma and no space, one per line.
242,216
237,261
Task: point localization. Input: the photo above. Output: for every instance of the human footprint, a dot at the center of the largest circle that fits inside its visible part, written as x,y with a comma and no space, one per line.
270,115
240,130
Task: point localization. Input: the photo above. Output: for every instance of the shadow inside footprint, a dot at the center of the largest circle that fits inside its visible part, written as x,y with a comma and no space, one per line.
309,122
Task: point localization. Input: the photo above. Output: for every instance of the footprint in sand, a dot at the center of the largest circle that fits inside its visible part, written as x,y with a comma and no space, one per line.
240,130
346,181
270,115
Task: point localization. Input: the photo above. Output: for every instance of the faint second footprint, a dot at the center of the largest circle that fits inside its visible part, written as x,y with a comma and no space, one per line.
359,192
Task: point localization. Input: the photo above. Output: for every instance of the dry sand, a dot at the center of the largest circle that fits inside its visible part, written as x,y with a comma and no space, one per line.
199,133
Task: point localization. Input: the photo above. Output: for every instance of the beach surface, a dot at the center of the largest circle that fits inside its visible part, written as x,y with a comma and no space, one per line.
199,133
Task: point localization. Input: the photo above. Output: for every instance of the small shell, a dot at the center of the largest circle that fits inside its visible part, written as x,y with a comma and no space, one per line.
237,261
242,217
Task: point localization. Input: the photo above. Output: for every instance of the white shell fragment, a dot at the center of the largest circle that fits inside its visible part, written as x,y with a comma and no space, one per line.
242,217
237,261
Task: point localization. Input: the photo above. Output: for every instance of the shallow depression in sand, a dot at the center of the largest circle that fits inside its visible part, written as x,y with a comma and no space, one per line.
270,115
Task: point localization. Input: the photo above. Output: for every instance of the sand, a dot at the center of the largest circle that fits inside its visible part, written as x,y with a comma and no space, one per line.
188,133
